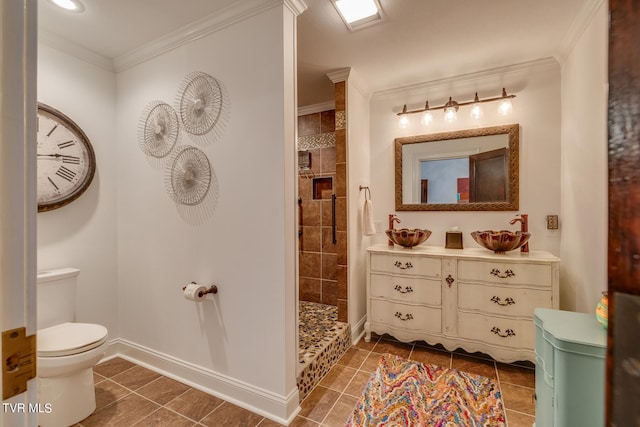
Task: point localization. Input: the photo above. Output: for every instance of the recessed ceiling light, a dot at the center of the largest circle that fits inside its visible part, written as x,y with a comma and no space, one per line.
358,13
70,5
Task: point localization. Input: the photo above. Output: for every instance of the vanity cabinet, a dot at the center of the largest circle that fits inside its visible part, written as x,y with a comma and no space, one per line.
571,350
460,298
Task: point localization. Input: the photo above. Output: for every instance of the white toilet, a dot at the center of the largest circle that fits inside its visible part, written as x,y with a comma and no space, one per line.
67,351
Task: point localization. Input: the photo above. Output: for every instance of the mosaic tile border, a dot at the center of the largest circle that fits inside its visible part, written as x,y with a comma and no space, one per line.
341,120
322,140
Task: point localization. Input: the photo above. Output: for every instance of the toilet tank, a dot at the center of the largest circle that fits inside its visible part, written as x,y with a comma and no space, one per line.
56,296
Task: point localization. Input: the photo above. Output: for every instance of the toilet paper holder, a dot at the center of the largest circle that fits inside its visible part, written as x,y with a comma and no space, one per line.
213,289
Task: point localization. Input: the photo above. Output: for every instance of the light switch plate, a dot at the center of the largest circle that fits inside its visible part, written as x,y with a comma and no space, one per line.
552,222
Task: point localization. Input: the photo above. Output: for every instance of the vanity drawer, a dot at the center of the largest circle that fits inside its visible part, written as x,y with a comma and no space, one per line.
409,265
514,333
406,289
404,316
505,273
505,300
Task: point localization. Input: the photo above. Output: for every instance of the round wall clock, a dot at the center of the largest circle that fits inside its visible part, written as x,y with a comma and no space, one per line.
66,161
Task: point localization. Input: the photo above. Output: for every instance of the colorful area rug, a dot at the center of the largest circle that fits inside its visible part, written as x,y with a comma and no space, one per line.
407,393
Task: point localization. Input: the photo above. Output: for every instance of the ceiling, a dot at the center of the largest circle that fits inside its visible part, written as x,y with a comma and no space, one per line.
419,40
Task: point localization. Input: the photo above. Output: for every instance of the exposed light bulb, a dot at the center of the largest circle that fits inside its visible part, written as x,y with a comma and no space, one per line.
476,109
451,111
404,121
505,107
427,118
450,115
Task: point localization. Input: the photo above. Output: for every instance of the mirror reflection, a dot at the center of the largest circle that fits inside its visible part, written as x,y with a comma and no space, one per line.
465,170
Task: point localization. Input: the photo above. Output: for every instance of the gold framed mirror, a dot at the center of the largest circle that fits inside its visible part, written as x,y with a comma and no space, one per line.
468,170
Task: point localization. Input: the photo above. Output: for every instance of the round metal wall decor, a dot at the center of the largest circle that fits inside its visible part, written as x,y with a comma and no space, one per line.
158,130
188,176
202,104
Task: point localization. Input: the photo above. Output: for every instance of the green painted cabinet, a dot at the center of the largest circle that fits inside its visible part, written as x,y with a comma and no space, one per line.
570,369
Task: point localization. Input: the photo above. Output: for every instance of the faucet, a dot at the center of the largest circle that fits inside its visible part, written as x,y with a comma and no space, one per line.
392,218
524,227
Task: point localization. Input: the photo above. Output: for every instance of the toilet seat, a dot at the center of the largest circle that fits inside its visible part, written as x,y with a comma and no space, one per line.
68,339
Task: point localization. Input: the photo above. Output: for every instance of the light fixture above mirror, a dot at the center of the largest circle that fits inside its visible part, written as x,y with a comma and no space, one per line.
452,106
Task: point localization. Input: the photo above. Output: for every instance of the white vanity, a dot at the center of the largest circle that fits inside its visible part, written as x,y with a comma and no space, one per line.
461,298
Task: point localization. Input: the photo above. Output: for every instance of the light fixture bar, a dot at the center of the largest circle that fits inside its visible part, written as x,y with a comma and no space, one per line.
459,104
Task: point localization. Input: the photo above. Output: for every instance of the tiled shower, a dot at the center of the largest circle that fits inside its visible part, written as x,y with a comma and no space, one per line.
322,237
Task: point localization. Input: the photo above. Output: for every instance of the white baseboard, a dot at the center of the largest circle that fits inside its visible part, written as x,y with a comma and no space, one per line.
281,409
357,331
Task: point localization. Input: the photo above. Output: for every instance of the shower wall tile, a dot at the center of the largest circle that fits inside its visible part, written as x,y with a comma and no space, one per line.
315,160
310,289
309,262
327,160
305,187
341,274
329,292
341,146
309,124
310,213
343,310
341,96
327,241
318,256
341,180
341,213
326,216
311,239
328,121
341,249
329,266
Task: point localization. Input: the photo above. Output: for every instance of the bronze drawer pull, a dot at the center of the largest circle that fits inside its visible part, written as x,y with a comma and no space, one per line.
407,289
449,280
405,266
507,301
508,333
405,317
506,275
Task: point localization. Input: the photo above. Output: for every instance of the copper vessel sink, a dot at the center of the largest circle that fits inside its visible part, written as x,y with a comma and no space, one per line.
500,241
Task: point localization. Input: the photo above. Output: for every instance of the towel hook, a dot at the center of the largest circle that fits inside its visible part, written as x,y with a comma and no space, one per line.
367,192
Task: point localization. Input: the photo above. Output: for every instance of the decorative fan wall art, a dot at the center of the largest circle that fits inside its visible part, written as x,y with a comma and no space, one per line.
158,130
202,105
191,184
188,176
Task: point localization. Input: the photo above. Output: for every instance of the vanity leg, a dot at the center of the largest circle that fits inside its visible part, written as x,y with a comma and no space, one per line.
367,332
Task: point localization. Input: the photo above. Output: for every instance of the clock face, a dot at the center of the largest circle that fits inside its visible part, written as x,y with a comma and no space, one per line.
66,161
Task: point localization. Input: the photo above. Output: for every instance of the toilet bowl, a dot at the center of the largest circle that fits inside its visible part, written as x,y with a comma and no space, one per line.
66,352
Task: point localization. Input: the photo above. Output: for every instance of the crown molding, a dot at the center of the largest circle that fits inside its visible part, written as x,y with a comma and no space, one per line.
537,65
340,75
72,48
212,23
317,108
577,28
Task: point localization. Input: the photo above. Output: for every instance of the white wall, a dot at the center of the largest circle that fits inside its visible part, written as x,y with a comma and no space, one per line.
245,334
584,167
537,110
83,233
358,174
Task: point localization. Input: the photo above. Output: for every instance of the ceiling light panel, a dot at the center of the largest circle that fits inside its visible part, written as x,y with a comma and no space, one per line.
358,14
70,5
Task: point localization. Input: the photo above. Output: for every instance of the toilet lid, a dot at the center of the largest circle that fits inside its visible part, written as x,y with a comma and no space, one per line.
67,339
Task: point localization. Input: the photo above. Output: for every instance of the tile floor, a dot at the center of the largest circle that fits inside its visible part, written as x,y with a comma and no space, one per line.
131,395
